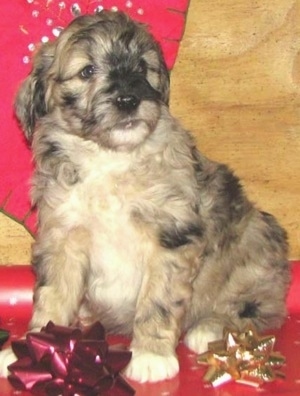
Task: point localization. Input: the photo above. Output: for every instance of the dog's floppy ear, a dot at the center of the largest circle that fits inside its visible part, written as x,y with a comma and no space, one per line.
30,103
165,83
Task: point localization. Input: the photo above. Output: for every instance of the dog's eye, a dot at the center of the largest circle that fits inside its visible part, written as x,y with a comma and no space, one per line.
142,67
87,72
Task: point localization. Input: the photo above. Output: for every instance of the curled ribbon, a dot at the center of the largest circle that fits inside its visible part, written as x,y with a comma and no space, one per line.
244,357
66,361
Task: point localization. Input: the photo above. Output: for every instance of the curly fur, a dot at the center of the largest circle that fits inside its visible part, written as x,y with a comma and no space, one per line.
137,228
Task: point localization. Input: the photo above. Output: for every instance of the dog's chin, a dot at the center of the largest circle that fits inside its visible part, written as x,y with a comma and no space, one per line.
128,135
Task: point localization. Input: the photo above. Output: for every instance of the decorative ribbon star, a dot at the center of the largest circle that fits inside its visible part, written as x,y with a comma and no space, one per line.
243,357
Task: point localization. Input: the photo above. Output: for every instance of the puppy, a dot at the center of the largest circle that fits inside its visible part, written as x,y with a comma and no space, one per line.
136,228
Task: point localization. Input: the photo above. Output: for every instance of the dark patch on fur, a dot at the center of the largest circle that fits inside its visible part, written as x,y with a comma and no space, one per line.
179,303
39,99
38,268
89,122
274,233
198,167
125,82
69,99
162,311
52,149
174,237
71,175
250,310
37,108
232,189
231,205
227,239
127,35
57,162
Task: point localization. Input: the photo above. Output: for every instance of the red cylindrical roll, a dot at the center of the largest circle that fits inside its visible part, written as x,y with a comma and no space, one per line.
17,282
16,290
293,299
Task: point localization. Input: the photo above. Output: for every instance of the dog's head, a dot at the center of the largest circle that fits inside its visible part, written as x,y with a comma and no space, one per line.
104,79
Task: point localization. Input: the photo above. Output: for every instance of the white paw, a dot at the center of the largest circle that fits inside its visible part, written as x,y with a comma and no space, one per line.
197,339
7,357
147,366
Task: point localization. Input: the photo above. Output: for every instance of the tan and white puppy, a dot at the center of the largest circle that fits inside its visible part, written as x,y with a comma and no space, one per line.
137,228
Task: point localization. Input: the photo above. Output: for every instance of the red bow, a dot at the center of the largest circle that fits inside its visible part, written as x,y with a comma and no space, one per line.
66,361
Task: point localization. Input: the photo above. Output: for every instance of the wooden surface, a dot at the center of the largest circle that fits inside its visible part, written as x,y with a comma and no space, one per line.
236,86
15,242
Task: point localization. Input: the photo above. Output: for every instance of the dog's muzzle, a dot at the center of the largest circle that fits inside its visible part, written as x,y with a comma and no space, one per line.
132,89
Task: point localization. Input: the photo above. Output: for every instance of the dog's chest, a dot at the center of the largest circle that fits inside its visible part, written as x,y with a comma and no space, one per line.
103,194
101,202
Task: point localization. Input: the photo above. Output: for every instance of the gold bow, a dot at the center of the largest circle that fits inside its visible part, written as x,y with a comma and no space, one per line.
244,357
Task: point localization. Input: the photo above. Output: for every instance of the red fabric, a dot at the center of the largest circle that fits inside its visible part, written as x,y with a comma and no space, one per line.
24,23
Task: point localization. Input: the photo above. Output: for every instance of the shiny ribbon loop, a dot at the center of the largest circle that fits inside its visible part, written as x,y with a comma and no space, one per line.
242,357
65,361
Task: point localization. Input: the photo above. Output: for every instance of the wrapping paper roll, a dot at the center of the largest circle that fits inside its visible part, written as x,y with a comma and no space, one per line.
293,298
17,282
16,290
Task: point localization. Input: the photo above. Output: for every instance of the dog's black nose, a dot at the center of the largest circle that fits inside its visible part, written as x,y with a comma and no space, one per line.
127,102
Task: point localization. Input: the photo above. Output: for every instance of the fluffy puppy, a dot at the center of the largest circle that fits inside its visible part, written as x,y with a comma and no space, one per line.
137,228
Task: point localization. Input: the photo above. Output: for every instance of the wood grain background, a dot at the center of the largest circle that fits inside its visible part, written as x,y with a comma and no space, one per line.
236,87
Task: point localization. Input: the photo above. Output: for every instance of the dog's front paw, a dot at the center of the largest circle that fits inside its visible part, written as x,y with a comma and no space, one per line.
7,357
149,367
197,339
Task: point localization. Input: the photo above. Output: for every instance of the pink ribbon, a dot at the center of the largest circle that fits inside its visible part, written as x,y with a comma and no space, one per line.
67,361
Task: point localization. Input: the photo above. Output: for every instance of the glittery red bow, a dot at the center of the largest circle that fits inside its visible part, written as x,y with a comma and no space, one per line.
65,361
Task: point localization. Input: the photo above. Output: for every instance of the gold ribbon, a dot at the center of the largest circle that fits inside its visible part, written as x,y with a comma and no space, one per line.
243,357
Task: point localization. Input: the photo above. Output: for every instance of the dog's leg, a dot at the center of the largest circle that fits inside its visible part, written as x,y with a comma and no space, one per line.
61,270
165,293
62,264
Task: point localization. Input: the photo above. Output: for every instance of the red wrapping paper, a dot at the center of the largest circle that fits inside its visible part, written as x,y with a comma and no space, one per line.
293,299
16,285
